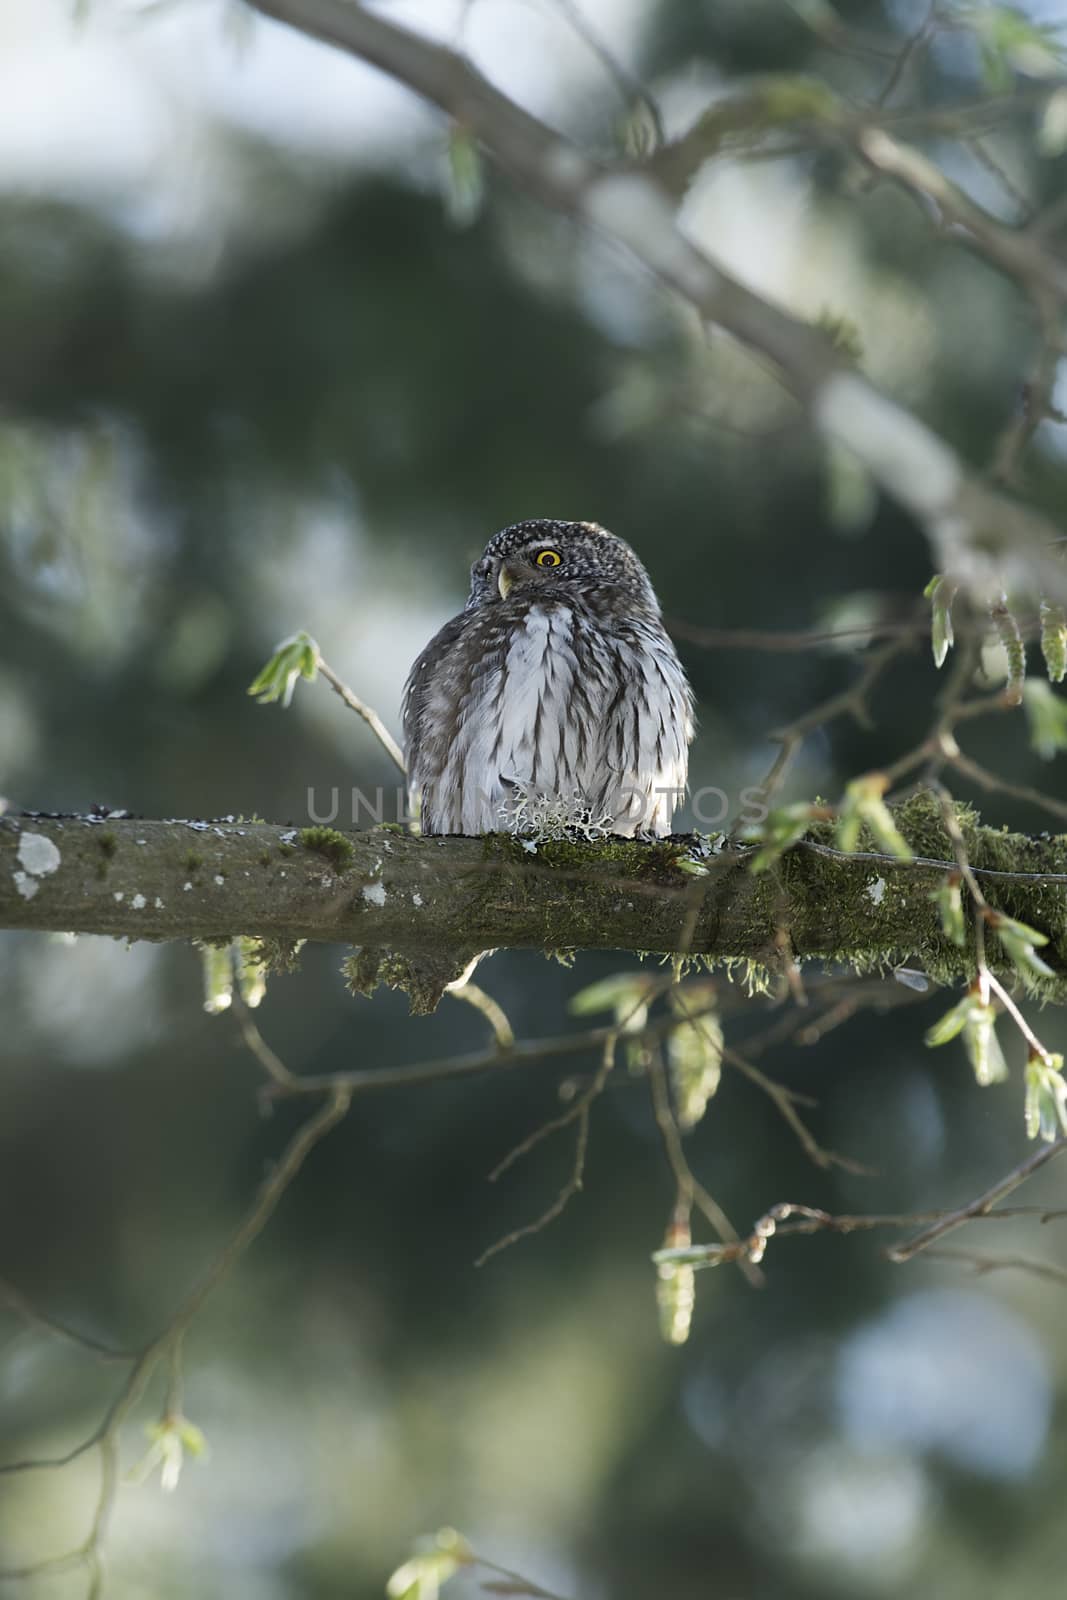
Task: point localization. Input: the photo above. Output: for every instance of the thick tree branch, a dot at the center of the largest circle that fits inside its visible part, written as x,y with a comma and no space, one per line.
981,536
384,889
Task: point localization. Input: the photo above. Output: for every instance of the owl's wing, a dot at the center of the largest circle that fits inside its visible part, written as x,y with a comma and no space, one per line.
646,730
428,726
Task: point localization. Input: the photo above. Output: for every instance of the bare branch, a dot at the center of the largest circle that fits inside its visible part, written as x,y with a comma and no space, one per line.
976,533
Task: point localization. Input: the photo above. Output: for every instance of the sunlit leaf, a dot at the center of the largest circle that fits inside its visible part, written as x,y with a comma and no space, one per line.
941,592
1054,638
296,657
675,1285
1046,1097
1046,714
949,901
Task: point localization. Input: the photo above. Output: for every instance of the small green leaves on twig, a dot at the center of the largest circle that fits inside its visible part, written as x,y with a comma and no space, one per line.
1046,1096
1019,943
694,1052
421,1577
1012,42
975,1019
941,592
676,1283
781,830
1046,714
864,803
1014,648
1054,640
252,969
218,978
465,183
949,901
171,1439
625,994
296,657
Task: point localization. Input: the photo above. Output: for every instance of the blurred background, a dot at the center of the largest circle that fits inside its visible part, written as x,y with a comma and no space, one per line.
266,365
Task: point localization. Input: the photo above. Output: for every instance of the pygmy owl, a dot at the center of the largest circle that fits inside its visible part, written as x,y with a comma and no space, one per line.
555,694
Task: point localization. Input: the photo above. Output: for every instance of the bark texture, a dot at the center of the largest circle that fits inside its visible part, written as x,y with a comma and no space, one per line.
384,890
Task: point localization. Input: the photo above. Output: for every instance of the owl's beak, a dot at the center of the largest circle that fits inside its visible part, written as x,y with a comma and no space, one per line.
505,580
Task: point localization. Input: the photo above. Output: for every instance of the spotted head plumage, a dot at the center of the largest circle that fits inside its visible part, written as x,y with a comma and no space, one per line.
555,691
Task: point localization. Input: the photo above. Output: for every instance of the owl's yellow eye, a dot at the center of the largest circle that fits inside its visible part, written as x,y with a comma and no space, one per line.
549,558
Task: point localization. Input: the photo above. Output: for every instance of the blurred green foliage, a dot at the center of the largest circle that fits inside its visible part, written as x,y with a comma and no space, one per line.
320,432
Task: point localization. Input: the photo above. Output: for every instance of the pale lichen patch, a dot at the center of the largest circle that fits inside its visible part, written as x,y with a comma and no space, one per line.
876,891
26,886
138,902
38,855
374,894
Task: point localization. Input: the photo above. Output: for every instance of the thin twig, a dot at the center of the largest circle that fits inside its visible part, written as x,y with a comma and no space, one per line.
369,715
691,1192
494,1014
982,1206
578,1113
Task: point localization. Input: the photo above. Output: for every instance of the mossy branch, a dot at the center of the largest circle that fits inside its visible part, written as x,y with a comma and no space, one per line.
384,889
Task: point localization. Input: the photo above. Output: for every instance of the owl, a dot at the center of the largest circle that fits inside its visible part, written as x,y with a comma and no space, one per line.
556,693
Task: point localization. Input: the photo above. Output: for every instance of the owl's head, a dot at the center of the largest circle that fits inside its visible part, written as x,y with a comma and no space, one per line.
533,559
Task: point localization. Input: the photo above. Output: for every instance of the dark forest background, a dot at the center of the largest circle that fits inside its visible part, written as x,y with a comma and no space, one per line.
306,400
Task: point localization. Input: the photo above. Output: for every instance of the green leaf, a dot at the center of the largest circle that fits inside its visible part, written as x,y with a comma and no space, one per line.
296,657
780,830
1014,648
421,1577
1045,1109
983,1047
1019,941
1052,129
863,803
954,1021
694,1052
1011,42
949,901
465,189
625,993
1054,637
1046,715
251,972
941,592
675,1285
217,964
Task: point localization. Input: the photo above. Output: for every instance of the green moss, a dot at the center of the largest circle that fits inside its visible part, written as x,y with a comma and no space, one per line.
631,858
191,861
107,844
905,928
265,858
329,843
286,850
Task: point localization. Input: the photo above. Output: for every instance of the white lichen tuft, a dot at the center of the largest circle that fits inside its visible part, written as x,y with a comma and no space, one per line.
26,886
416,898
138,902
374,894
552,816
876,891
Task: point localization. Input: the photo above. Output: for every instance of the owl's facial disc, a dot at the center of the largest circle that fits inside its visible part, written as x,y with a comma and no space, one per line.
529,564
